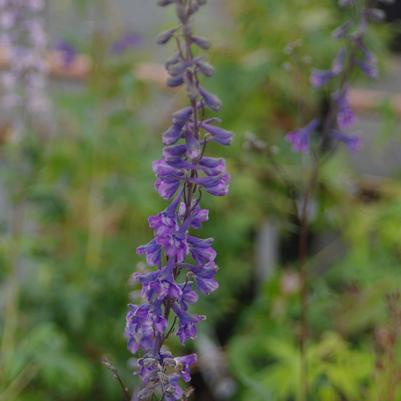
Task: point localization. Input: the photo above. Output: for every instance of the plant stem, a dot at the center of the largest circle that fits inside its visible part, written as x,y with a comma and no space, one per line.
117,376
304,276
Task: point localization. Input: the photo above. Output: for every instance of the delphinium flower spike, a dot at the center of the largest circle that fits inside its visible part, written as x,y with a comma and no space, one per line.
183,264
353,55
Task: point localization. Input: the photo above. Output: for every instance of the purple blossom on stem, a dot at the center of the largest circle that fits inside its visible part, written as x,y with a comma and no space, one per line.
183,264
300,138
320,78
368,62
353,55
352,142
345,116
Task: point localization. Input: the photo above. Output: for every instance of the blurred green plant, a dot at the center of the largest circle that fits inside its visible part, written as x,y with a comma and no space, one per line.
267,69
92,191
335,369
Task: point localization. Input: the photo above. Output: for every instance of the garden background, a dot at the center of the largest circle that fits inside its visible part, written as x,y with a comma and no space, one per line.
76,191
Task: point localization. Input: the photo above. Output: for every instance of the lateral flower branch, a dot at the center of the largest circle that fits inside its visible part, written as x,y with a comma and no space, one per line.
181,264
354,55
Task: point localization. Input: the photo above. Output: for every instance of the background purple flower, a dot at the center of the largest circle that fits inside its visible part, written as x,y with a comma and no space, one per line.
67,51
352,56
300,138
22,32
128,41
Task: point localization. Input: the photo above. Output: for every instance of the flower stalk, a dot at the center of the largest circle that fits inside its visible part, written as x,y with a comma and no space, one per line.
322,135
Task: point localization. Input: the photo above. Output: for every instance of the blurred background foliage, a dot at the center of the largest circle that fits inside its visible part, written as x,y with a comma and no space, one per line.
78,207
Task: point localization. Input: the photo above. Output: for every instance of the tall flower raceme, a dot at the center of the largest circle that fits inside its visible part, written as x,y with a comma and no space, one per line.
25,40
183,264
353,55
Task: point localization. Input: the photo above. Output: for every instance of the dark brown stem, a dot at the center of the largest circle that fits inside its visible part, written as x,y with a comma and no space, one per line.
291,189
304,276
116,375
171,329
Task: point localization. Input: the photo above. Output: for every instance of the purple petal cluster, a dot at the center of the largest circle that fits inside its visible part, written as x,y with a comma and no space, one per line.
67,51
182,264
128,41
353,55
22,33
300,138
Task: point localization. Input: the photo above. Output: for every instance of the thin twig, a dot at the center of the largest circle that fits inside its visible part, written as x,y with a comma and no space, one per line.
114,372
171,329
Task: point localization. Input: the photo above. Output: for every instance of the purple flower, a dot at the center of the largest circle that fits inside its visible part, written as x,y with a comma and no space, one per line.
219,135
201,42
128,41
158,375
300,138
342,31
173,134
153,252
194,147
182,116
201,250
352,142
217,185
165,37
67,51
198,215
168,178
175,151
345,116
320,78
212,166
187,324
212,101
173,391
184,364
148,369
188,296
364,58
339,62
352,56
142,323
163,225
368,65
205,277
